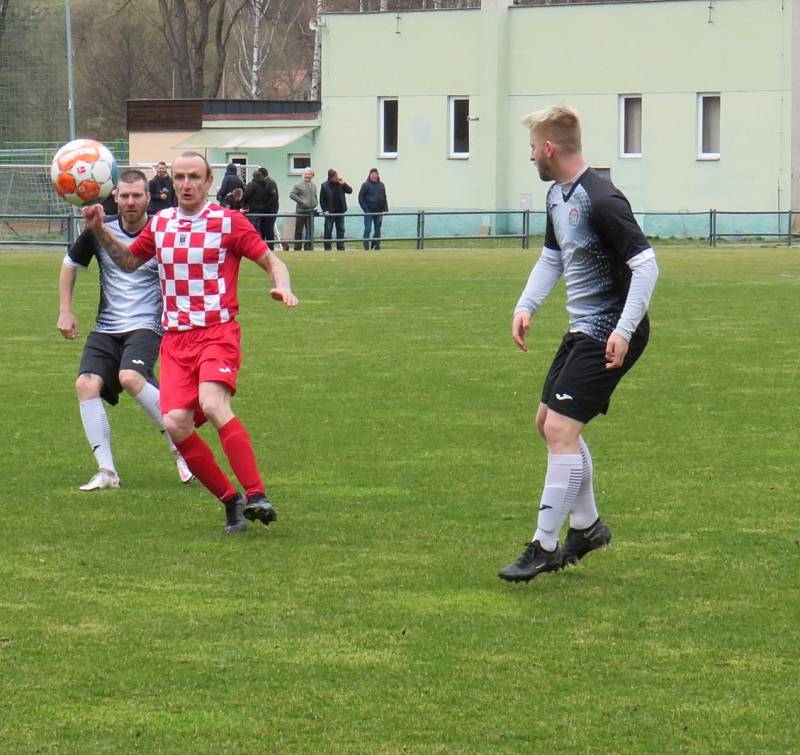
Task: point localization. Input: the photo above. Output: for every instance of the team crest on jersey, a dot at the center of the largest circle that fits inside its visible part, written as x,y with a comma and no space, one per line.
574,217
183,239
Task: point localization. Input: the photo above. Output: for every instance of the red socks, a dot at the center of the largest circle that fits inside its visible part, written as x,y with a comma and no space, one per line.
201,462
239,450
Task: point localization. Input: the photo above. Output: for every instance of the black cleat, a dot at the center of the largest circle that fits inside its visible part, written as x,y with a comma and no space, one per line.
580,542
533,561
234,520
259,509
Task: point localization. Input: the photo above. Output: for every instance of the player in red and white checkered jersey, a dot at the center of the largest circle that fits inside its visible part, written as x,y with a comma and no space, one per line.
198,246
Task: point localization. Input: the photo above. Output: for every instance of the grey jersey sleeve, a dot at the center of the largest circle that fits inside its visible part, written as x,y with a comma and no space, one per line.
543,278
644,274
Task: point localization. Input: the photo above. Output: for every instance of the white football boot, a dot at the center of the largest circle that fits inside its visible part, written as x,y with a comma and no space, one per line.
102,480
183,470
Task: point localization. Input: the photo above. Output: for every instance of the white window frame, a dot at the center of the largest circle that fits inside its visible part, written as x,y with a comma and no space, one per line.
240,161
382,152
701,100
624,99
451,106
295,170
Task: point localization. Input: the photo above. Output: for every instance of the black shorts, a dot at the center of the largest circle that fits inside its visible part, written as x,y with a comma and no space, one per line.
578,384
105,354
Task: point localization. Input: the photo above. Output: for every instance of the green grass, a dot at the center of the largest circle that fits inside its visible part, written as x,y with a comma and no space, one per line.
393,419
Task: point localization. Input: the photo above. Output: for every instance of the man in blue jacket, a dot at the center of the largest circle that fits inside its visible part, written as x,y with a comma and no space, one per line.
372,200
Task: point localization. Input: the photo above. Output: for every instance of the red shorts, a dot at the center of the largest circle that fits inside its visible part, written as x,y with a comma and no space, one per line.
191,357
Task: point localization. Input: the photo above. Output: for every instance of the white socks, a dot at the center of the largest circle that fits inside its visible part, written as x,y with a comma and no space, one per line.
148,400
561,485
568,489
584,511
98,432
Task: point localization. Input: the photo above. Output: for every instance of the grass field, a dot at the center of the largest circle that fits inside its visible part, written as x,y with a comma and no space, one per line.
393,418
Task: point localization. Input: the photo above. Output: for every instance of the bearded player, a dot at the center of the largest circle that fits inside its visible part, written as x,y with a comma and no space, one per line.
593,240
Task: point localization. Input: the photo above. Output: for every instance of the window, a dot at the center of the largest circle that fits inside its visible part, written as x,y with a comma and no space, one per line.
630,125
388,109
298,163
708,115
240,161
459,127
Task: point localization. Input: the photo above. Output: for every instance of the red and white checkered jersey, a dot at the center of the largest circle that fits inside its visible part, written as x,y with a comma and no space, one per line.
198,263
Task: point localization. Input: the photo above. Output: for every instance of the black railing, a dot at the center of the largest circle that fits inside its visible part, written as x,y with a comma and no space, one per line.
420,227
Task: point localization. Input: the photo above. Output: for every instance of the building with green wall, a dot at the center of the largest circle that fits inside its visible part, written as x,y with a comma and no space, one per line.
663,65
688,104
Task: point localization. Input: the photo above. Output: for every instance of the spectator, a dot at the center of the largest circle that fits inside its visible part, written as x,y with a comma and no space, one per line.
162,192
305,195
261,199
372,199
230,182
334,205
234,200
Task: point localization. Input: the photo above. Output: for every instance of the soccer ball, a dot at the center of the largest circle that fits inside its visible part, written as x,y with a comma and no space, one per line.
83,172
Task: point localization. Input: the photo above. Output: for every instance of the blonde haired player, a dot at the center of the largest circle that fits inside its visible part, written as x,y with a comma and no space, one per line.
593,240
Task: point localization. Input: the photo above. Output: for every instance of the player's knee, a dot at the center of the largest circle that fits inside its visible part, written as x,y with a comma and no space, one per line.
131,381
177,426
558,431
88,386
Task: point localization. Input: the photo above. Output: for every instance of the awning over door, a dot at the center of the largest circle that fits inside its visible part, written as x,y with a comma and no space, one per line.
236,138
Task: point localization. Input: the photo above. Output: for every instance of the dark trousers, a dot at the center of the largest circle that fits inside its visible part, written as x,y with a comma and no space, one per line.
338,221
375,219
265,225
304,229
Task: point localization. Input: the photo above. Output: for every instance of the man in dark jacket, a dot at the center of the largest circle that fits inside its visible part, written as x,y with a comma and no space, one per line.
230,182
261,204
334,205
373,202
162,192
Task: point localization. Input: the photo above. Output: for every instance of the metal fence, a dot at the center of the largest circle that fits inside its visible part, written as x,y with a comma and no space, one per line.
421,228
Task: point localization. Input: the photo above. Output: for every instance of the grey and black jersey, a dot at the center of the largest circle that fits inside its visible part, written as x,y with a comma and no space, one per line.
592,233
128,301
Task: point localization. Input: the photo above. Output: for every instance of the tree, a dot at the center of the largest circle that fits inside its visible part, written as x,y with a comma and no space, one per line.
115,60
262,32
3,11
316,63
197,34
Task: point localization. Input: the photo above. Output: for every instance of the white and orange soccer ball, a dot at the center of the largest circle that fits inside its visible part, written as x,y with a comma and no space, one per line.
83,172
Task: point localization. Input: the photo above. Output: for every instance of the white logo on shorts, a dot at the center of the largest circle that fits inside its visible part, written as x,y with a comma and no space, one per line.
137,361
563,397
225,369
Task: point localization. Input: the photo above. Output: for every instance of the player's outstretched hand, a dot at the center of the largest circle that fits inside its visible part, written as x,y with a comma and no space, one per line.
93,214
616,349
287,297
519,329
68,326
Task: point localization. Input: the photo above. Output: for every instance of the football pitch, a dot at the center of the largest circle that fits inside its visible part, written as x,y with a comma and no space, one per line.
392,417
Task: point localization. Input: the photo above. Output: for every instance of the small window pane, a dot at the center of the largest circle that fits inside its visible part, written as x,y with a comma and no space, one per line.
632,126
298,163
460,126
389,136
710,124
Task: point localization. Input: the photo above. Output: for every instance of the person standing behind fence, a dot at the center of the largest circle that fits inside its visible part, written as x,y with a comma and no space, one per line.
305,195
334,205
230,181
373,202
162,192
261,199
